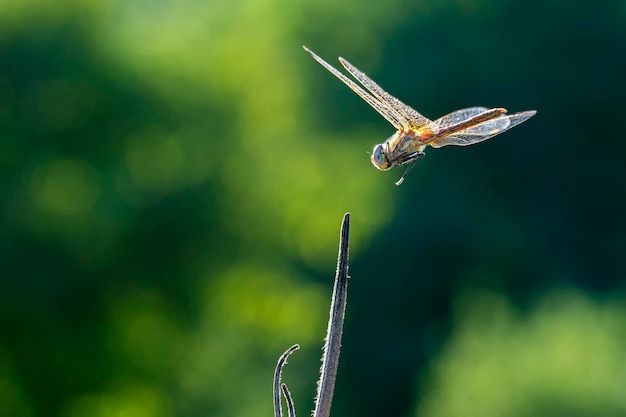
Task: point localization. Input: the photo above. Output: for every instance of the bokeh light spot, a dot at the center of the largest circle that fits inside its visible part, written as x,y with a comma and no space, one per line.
154,161
65,187
128,400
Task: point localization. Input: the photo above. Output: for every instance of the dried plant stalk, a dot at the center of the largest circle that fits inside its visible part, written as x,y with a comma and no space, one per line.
330,359
332,346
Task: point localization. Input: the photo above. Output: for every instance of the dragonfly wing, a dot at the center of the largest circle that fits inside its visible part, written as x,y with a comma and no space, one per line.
411,118
459,116
381,107
482,131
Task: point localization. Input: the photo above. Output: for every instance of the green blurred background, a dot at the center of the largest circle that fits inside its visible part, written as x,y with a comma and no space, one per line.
173,176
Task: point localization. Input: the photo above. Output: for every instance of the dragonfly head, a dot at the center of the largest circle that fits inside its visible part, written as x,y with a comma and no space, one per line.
379,157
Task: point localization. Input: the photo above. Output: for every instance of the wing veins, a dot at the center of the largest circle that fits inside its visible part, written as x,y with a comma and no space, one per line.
384,109
411,117
473,134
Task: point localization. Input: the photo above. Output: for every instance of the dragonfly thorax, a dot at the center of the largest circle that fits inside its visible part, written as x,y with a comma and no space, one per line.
379,157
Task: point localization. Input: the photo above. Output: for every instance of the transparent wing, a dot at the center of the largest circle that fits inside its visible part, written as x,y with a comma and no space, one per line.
482,131
459,116
410,117
381,107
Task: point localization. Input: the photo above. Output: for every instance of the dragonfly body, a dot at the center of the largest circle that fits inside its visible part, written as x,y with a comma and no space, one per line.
414,131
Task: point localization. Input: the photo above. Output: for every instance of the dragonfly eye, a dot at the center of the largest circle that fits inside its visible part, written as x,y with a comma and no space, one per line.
379,158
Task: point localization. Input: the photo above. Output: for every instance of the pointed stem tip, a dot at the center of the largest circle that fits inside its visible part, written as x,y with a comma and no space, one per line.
330,359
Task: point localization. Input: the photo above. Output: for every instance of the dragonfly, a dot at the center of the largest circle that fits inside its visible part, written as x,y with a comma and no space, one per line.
415,132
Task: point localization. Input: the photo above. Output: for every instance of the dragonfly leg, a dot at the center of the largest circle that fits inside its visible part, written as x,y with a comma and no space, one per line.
412,158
